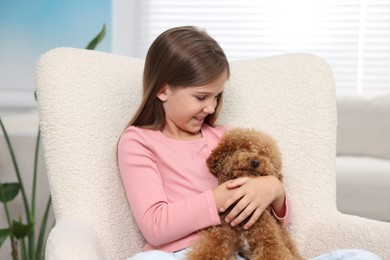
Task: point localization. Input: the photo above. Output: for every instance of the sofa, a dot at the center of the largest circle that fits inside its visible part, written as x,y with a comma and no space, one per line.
363,155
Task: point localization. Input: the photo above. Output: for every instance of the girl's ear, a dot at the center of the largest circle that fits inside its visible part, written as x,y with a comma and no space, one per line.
163,93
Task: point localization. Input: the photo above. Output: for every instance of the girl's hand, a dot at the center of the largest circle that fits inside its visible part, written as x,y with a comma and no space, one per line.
253,196
222,192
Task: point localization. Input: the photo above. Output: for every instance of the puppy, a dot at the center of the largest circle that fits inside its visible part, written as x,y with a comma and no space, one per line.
245,152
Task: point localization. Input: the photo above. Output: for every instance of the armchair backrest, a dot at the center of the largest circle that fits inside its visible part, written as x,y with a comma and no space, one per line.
87,97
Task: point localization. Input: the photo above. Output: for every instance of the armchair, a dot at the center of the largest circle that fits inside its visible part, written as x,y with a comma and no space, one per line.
85,99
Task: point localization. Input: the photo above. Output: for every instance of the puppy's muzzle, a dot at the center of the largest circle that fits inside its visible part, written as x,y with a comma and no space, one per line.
255,164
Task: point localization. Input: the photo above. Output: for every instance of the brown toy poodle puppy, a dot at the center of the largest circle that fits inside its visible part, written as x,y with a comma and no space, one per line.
245,152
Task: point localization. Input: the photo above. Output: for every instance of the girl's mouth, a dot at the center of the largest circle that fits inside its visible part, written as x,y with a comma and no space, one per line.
199,118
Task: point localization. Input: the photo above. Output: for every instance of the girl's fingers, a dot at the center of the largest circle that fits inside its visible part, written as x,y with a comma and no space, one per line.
251,198
231,200
244,207
256,214
237,182
251,211
236,212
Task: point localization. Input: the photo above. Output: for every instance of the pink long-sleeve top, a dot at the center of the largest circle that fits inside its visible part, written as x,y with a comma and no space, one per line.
169,187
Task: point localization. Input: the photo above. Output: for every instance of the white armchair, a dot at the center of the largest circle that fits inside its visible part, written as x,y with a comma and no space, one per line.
86,98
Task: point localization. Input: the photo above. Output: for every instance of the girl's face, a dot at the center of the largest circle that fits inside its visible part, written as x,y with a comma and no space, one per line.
187,107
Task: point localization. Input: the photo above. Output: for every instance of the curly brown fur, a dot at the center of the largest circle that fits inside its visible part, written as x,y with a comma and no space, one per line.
245,152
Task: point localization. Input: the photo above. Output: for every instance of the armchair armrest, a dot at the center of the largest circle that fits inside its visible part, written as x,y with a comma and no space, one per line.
338,231
73,239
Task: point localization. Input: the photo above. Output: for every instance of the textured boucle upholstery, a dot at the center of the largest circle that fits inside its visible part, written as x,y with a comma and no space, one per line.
86,98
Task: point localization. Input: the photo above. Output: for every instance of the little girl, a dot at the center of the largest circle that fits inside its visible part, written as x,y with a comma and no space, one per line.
162,152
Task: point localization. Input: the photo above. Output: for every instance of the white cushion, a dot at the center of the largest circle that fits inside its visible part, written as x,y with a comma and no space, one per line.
363,124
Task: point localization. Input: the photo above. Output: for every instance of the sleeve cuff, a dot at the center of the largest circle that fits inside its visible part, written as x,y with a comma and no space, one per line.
284,220
215,218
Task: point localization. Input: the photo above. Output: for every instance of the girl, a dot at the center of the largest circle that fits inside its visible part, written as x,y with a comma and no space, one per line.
162,152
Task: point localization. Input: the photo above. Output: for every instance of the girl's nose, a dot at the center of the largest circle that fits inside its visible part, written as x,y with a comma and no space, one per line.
210,107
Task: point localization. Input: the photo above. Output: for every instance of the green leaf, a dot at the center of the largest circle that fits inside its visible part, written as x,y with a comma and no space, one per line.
8,191
4,233
42,232
98,38
21,230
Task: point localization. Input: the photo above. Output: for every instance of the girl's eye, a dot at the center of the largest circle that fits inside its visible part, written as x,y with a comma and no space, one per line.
201,98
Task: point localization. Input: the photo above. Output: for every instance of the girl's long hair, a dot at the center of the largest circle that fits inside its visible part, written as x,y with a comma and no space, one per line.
180,57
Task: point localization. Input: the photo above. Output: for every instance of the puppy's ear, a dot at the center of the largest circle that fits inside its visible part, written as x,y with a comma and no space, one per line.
280,176
213,164
276,160
215,161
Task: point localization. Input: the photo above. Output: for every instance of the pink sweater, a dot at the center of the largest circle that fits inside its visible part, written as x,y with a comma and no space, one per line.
168,185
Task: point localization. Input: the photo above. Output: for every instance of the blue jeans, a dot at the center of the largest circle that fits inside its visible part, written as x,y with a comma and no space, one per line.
343,254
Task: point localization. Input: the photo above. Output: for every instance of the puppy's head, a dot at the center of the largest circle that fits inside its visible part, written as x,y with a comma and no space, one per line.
245,152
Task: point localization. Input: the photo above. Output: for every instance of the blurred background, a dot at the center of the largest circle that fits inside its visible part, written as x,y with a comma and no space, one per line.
29,28
353,36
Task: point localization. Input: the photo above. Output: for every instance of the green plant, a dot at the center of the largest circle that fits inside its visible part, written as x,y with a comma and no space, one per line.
19,230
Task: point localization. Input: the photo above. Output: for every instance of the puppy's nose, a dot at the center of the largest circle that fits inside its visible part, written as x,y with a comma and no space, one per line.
255,164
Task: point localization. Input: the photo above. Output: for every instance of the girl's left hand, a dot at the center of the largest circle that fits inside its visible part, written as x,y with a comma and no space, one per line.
253,196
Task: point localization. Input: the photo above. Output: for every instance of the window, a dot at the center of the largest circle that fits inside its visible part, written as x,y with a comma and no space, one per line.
29,29
353,36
